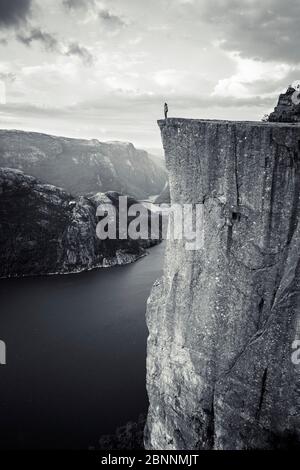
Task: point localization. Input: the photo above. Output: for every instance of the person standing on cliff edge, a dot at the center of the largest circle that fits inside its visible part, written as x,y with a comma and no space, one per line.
166,109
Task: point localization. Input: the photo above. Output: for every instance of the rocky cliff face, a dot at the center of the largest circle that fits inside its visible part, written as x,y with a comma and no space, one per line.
223,319
288,107
45,230
82,166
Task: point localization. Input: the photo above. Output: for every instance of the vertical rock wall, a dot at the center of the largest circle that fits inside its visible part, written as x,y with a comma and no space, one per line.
223,318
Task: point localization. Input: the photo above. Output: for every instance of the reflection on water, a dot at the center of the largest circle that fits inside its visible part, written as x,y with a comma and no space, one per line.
76,349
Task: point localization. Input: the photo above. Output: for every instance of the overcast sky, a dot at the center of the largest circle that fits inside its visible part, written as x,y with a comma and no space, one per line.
103,69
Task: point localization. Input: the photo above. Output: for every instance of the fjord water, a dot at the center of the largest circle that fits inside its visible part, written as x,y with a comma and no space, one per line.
76,352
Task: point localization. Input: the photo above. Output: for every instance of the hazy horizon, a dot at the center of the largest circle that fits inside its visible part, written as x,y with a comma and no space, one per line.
103,69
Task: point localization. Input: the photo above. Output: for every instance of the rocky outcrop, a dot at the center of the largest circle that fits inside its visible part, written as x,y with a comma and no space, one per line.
45,230
82,166
223,318
288,107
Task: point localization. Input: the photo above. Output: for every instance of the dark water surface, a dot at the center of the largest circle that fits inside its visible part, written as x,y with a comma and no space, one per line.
76,350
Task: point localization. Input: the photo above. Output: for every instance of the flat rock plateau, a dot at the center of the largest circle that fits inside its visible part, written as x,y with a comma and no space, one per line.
222,320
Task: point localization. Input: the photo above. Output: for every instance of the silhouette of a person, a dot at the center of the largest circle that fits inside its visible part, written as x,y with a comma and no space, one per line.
166,109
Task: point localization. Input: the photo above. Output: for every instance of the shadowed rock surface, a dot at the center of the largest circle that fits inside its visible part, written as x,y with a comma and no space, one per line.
222,319
128,437
288,107
164,197
45,230
82,166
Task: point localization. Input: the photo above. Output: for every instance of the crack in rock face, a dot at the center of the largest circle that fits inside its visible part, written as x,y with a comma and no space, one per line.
223,318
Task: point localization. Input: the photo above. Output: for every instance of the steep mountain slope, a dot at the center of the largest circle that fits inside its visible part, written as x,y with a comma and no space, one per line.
159,161
82,166
44,229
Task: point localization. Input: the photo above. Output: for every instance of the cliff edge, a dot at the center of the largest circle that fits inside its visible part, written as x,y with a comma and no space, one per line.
223,319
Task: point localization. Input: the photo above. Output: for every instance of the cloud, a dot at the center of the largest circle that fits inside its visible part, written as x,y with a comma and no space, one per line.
180,51
169,78
76,4
267,30
51,44
110,19
131,105
96,11
254,77
7,76
75,49
14,12
46,39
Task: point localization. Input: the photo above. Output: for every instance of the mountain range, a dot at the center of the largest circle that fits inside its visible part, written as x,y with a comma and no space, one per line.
81,166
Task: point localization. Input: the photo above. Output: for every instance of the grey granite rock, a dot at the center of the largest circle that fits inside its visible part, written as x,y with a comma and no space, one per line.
222,320
288,107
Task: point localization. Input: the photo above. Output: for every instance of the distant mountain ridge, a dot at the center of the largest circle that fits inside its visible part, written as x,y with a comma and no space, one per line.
82,166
